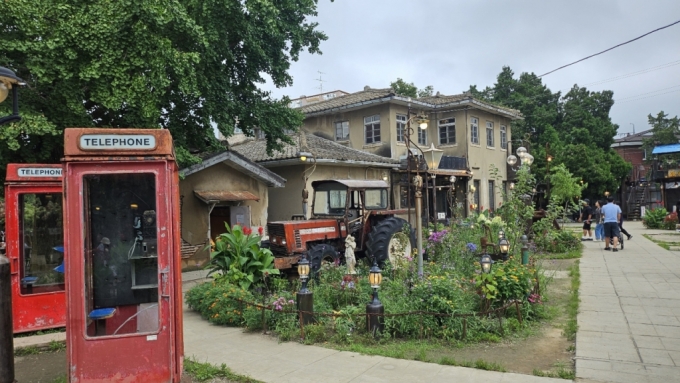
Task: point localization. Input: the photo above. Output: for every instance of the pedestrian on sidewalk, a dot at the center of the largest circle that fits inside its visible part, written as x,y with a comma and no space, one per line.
621,229
612,216
586,218
599,221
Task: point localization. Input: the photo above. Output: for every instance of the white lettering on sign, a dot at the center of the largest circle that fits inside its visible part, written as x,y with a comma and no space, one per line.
39,172
117,142
317,230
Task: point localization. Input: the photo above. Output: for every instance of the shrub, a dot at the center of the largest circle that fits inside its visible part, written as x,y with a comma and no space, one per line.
670,221
654,218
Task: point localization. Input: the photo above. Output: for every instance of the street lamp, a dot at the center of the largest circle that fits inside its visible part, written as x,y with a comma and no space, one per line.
9,80
433,156
305,298
486,263
504,247
375,309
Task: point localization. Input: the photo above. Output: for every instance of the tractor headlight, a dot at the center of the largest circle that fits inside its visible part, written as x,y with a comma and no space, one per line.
283,242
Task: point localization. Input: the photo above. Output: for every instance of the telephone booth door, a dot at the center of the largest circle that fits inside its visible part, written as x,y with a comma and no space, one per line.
34,235
123,280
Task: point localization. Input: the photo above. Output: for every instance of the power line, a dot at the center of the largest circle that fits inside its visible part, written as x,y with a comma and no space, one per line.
631,74
654,95
644,94
608,49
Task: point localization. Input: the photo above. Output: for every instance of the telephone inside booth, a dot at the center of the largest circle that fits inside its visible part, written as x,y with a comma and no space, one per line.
121,265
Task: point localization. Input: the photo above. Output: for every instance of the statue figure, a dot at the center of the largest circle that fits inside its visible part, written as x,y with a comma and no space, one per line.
351,260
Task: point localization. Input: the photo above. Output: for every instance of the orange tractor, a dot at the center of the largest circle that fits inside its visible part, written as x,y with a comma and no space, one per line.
341,208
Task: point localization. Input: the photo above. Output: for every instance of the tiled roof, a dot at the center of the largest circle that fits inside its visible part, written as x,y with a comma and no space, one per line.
371,96
635,137
321,148
368,94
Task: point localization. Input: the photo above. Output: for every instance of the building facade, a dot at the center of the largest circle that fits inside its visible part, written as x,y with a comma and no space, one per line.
376,121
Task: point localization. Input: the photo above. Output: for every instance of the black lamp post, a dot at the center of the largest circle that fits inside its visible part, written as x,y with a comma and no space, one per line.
374,310
10,81
305,298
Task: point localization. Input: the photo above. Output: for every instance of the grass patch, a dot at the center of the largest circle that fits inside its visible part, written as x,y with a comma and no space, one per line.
53,346
40,332
576,253
571,326
560,372
665,245
206,371
24,351
61,379
480,364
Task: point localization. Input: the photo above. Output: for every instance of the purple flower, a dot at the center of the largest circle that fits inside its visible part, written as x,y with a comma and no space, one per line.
438,236
471,246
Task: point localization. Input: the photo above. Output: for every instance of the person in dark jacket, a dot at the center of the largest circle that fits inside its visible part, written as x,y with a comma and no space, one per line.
621,229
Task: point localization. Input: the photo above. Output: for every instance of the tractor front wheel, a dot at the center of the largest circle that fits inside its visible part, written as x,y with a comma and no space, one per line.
319,254
388,240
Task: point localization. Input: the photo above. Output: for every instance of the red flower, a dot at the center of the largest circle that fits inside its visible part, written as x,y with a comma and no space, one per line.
481,207
247,230
260,230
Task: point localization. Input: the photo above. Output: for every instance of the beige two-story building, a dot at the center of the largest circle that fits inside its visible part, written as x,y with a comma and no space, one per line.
474,136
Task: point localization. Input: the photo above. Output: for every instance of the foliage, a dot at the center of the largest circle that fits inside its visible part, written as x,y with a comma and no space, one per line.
574,128
664,131
175,64
403,88
572,308
654,218
564,189
239,258
517,210
670,221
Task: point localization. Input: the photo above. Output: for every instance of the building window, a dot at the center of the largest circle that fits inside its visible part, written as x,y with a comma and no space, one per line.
492,197
342,131
504,137
504,193
258,133
489,134
407,195
372,129
422,136
474,131
447,131
401,127
328,96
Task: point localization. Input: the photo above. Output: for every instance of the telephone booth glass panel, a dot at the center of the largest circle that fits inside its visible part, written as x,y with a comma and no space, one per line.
121,265
41,239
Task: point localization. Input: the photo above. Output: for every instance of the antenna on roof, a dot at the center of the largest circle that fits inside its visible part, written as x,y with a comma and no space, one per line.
320,80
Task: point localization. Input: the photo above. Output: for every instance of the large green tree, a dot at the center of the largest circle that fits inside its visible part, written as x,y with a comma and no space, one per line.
185,65
664,131
574,129
408,89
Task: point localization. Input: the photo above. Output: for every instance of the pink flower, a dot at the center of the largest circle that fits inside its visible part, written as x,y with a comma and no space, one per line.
260,231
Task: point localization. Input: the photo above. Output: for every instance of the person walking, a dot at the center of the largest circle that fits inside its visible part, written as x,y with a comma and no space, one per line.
586,218
612,216
599,221
621,229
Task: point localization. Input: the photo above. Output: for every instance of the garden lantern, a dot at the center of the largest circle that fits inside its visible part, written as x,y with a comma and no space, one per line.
486,263
501,234
422,122
504,246
375,310
305,298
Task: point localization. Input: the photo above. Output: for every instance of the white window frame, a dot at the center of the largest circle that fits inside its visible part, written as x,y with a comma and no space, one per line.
504,137
344,125
401,127
448,123
474,130
490,137
372,123
422,136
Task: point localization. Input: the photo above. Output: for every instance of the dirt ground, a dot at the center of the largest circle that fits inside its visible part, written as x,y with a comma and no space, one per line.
545,351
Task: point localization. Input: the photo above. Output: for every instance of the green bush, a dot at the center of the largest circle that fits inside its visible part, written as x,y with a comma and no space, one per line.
654,218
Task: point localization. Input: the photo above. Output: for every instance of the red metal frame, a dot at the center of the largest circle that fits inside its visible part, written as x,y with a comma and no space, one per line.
38,311
133,357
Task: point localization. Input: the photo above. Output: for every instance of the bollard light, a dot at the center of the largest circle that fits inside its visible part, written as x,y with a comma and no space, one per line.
525,249
524,240
375,276
375,321
303,271
486,263
504,246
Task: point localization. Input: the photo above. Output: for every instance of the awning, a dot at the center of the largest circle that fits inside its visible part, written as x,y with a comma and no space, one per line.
666,149
449,172
210,196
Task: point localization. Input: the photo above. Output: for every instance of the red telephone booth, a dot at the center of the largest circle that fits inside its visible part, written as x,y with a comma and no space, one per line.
34,235
121,218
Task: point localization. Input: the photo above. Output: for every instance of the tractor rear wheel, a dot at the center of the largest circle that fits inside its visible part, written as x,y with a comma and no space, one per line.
319,254
387,240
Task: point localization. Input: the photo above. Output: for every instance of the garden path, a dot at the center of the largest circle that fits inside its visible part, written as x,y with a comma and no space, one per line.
262,357
629,316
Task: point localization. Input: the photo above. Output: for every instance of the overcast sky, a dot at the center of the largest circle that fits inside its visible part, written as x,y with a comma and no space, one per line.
452,44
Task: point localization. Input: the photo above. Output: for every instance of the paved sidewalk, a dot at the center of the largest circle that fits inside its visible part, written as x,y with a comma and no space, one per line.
629,317
263,358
